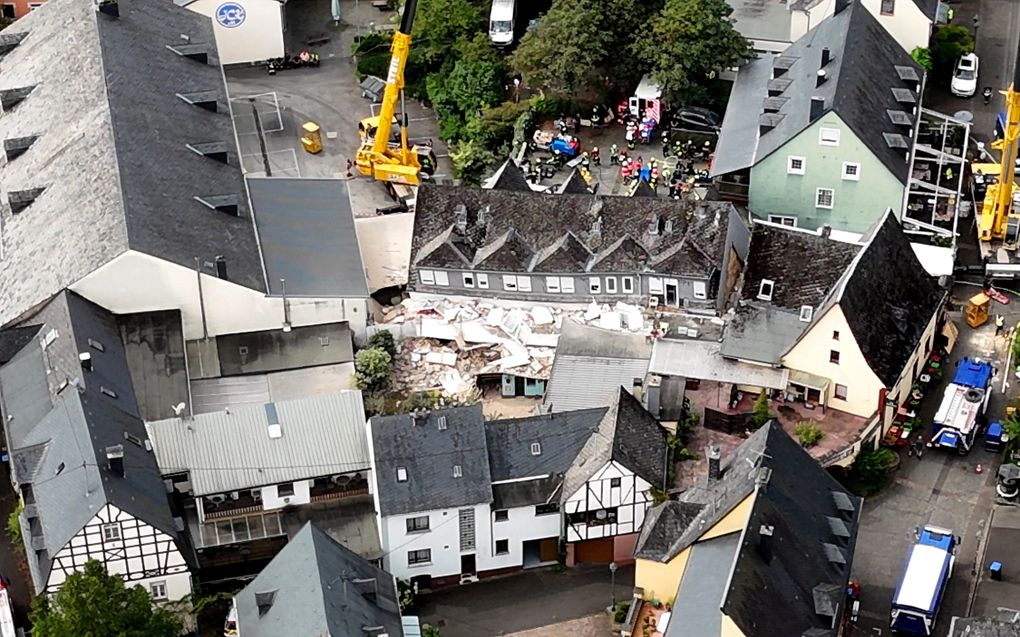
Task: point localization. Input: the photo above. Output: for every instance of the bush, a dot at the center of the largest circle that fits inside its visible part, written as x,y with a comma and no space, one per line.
372,368
620,613
870,471
14,526
760,413
948,43
383,339
922,56
808,433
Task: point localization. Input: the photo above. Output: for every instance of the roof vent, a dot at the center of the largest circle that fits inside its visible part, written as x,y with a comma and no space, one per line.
201,99
773,104
108,7
820,77
900,118
367,586
904,96
10,40
264,601
273,420
817,107
842,502
115,459
16,146
196,52
838,527
833,554
85,359
778,85
21,199
212,150
826,57
907,73
768,121
227,204
221,268
827,598
9,98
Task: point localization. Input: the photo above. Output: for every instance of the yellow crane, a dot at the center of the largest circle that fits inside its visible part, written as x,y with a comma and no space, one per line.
999,220
377,157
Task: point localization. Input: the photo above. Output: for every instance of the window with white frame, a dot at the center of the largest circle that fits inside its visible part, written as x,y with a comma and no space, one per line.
418,557
851,171
401,474
611,284
552,284
469,280
442,278
524,283
111,531
627,284
157,590
427,277
765,289
567,284
510,282
655,285
828,136
700,290
888,7
536,448
458,472
595,285
824,198
795,165
564,284
840,391
783,220
483,281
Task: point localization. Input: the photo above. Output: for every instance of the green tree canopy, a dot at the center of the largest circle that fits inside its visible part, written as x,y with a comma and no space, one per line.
92,603
948,43
687,43
372,368
442,27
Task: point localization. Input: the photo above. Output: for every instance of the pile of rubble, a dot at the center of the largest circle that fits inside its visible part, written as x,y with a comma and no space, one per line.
443,345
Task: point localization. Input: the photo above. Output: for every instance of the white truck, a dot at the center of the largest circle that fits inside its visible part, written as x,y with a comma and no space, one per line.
502,19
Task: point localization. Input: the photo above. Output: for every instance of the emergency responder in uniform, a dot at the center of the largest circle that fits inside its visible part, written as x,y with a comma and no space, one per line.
585,162
595,158
614,155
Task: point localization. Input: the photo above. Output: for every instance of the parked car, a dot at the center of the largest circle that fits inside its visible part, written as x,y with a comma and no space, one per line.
695,118
965,76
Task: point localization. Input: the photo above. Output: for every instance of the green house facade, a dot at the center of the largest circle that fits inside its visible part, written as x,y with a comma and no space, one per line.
820,135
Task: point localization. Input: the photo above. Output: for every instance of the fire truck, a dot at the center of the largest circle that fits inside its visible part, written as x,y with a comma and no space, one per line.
961,413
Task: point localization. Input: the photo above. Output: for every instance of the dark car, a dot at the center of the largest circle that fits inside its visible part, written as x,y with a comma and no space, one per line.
695,118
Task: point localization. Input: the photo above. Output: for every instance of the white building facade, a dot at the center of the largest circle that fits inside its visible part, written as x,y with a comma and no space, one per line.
604,517
246,31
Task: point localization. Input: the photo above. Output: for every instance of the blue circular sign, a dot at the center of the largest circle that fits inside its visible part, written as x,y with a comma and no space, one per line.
230,15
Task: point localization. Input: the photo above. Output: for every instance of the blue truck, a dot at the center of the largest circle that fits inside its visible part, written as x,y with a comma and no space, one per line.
961,413
922,586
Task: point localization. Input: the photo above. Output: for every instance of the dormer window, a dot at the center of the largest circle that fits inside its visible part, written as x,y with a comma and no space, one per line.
765,289
457,471
401,474
806,312
442,423
536,448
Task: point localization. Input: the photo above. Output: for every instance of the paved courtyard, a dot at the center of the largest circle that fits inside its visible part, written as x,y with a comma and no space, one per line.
540,599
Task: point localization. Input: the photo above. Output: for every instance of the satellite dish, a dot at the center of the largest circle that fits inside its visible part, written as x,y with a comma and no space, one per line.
964,116
601,514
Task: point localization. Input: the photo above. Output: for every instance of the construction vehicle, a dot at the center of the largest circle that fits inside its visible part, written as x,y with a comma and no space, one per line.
1000,220
377,157
961,414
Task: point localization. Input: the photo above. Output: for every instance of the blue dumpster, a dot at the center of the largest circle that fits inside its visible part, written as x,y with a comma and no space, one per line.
993,437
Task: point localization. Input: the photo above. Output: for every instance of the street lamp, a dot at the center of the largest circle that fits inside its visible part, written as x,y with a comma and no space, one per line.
612,583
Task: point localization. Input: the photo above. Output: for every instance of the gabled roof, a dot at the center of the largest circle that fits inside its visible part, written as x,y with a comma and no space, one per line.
317,586
530,221
574,184
509,176
320,436
761,333
429,454
888,300
860,78
627,434
112,150
566,254
60,418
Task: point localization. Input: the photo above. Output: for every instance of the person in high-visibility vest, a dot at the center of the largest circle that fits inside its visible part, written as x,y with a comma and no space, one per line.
614,155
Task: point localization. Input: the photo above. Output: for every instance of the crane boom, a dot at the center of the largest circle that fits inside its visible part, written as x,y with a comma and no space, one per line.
998,219
399,51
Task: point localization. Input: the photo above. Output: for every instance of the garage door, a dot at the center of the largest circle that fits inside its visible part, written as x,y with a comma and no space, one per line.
594,551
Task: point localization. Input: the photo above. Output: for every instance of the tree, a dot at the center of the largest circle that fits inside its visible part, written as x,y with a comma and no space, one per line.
92,603
372,368
687,43
471,159
948,43
808,433
760,413
383,339
441,28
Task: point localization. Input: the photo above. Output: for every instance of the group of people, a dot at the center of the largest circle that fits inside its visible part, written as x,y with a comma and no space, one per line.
642,130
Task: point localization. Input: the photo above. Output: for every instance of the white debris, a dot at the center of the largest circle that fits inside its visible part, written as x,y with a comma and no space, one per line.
593,312
441,358
541,315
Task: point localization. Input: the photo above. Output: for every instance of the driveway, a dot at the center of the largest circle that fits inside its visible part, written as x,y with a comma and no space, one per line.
941,489
529,600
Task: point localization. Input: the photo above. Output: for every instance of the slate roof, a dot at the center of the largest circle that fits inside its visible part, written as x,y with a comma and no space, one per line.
804,266
429,455
307,236
888,299
627,434
317,586
322,435
62,432
592,364
503,230
665,522
111,150
860,79
509,176
761,333
696,602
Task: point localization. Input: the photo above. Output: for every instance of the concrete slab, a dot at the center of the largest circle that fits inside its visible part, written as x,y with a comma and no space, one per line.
349,523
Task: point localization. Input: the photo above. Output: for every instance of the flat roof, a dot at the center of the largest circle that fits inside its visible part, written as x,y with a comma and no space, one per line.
920,584
702,360
306,231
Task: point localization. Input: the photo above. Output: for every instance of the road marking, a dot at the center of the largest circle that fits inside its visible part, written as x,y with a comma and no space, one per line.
281,166
260,99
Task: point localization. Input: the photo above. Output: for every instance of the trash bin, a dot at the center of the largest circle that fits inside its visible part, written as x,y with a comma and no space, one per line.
995,571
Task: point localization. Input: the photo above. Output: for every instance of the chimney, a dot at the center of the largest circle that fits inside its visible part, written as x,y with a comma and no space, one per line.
638,389
86,361
221,268
826,231
765,542
108,7
826,57
714,455
820,77
115,459
817,107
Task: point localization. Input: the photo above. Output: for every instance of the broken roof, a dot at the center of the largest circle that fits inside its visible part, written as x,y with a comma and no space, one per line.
111,150
860,78
464,227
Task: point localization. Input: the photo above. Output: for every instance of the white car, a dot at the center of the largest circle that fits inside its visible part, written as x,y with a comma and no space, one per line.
965,76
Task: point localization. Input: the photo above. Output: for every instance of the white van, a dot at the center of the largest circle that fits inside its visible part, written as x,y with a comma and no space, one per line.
501,22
